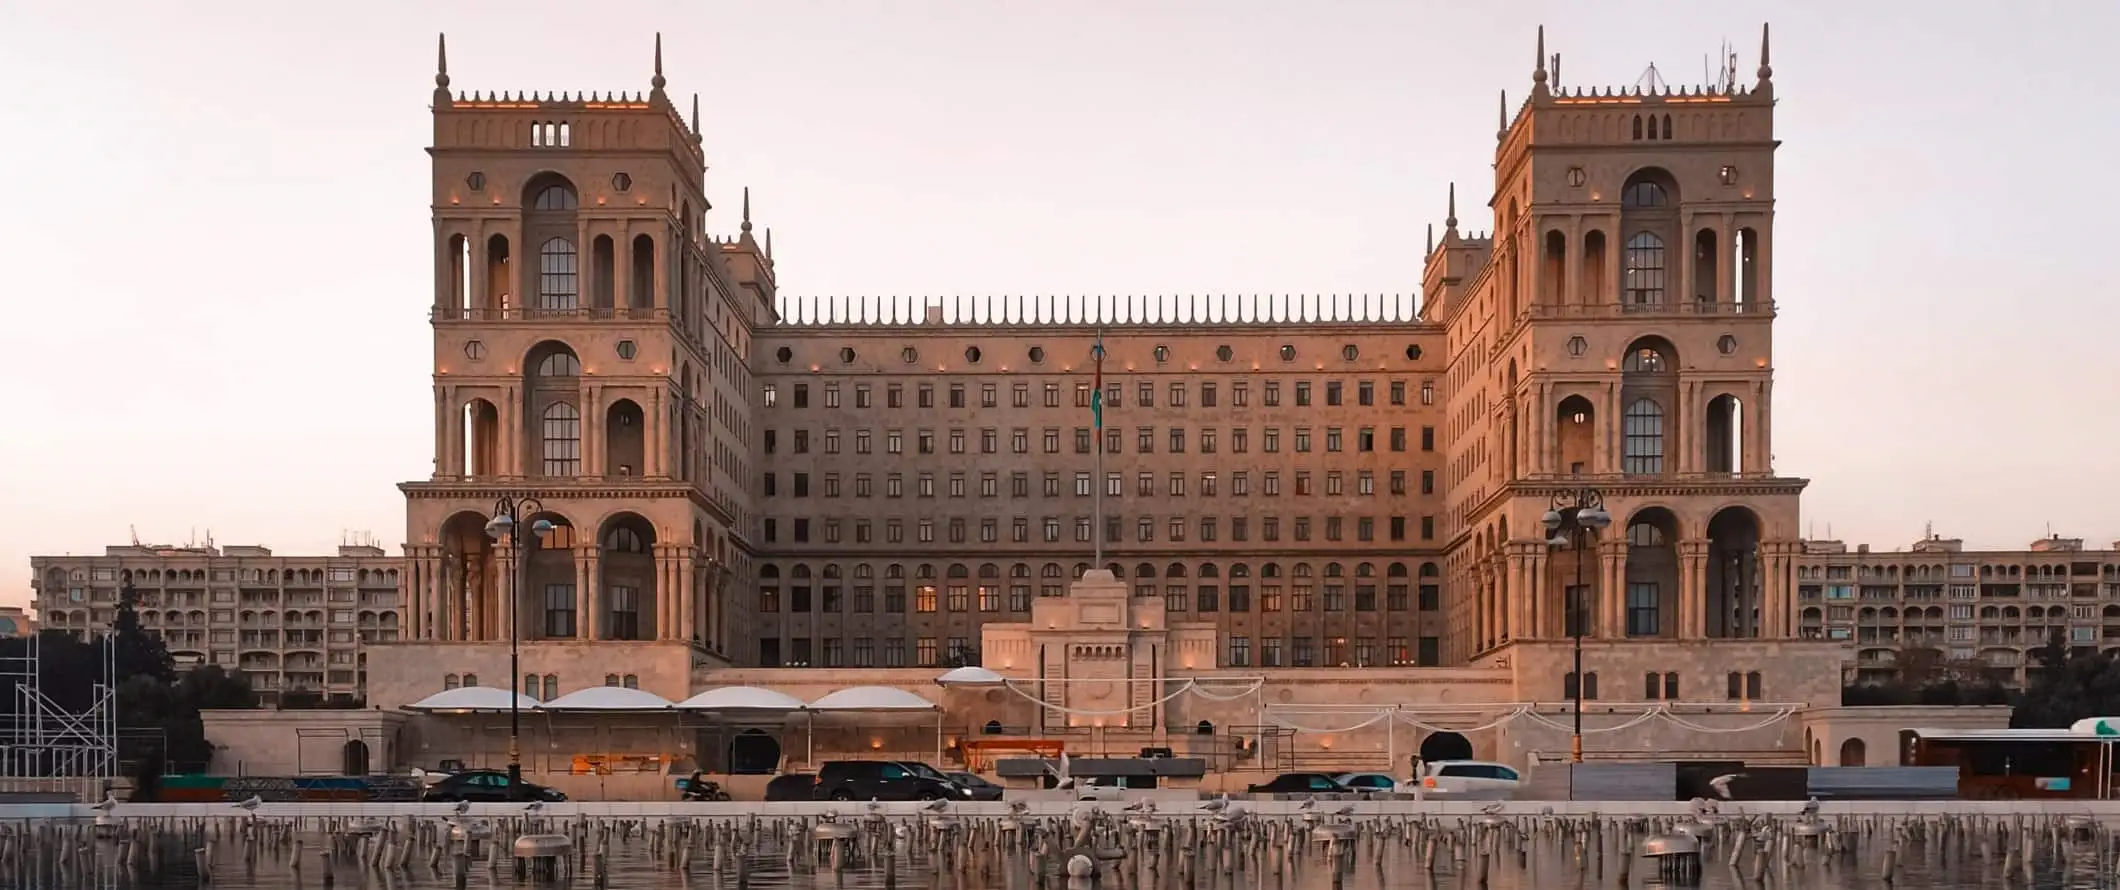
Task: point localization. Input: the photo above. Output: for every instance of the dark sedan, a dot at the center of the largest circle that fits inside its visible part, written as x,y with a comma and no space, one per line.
486,786
1301,783
981,789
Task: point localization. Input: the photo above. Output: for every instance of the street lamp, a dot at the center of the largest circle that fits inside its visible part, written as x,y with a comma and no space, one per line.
1573,518
507,518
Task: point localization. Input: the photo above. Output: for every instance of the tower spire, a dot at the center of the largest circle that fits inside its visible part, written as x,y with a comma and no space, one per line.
1538,71
696,137
441,69
1450,221
1501,130
769,244
746,212
657,81
1766,66
1430,249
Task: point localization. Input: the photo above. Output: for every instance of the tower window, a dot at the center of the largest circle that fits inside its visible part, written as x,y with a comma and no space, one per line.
1643,430
562,440
558,279
557,197
1644,278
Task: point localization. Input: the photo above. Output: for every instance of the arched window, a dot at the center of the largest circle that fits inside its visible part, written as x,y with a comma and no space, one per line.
558,284
560,364
563,440
1643,431
556,197
624,540
1643,194
1643,280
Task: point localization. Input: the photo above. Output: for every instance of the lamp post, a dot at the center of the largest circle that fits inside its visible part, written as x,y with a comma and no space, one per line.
506,522
1574,516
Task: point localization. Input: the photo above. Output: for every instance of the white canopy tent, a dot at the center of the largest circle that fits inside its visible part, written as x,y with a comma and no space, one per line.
872,700
743,698
473,699
609,698
971,676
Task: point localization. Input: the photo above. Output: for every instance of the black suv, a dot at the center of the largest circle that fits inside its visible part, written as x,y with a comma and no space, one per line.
885,780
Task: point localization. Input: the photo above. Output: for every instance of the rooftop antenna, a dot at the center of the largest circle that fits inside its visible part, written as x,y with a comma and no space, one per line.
134,530
1928,530
1651,81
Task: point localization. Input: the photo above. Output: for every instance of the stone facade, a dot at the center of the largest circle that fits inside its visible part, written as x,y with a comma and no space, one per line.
1287,512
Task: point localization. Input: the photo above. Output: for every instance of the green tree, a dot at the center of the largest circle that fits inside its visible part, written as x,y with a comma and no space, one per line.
2067,689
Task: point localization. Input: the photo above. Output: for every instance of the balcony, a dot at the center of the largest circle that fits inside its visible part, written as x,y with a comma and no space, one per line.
531,313
1692,309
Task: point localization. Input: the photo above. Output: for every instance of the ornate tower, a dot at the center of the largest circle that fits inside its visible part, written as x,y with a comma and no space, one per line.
1615,333
590,352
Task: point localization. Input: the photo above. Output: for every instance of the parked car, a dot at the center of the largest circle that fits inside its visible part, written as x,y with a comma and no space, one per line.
1300,783
1377,783
485,786
792,786
1469,780
1100,788
980,788
885,780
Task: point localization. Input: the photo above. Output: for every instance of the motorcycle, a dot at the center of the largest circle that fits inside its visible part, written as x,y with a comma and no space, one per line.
702,791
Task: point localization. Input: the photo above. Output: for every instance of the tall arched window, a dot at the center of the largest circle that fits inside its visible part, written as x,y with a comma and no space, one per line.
562,440
556,197
558,281
1643,281
1643,430
559,364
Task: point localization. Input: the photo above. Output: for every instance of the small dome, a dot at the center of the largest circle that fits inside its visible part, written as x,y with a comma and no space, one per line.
741,698
473,698
608,698
872,698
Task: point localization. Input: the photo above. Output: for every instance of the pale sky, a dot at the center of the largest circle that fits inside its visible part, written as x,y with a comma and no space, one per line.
220,253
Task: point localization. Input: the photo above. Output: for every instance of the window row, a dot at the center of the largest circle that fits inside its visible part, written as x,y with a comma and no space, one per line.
1302,439
543,687
1240,651
1146,529
1739,686
1223,353
1206,394
1146,484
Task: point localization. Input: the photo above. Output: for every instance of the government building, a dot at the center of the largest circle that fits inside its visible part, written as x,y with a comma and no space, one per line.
1261,531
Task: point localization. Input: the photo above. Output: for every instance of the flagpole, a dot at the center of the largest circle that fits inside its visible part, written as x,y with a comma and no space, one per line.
1096,401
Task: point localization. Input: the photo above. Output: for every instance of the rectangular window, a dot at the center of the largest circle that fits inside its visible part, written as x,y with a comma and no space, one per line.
1427,528
862,393
831,395
1177,395
1303,394
927,395
894,396
1052,395
1642,603
1239,395
1332,392
1207,395
802,395
1427,438
1271,398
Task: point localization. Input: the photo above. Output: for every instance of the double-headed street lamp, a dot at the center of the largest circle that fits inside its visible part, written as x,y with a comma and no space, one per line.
507,520
1573,518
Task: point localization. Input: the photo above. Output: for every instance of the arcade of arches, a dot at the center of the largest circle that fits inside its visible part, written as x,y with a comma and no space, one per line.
622,583
1647,576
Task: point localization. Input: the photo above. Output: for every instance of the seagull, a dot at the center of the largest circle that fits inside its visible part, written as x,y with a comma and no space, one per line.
462,807
875,808
110,802
1217,803
1347,810
939,804
1018,807
1810,808
1492,808
251,804
1144,805
535,806
1309,803
1721,784
828,816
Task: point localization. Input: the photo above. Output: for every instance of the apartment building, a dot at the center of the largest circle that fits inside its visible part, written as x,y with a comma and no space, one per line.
290,624
1936,609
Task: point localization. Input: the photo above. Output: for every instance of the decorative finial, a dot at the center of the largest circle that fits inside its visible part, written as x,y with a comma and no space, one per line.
657,82
696,137
747,210
441,61
1766,67
1501,130
769,244
1450,222
1538,74
1430,249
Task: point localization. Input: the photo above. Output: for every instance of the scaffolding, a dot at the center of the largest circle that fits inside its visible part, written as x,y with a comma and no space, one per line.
48,748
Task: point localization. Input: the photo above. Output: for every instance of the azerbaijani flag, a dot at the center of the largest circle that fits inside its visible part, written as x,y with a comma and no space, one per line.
1096,392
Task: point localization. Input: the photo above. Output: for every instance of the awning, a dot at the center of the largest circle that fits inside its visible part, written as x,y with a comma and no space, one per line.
469,699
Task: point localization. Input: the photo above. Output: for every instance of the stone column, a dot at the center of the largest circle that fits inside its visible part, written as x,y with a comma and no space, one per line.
584,587
1572,263
593,432
1693,589
665,590
595,622
686,585
442,431
652,429
1612,589
512,432
499,615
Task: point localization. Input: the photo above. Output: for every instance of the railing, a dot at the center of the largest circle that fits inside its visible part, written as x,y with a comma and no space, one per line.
532,313
1763,308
